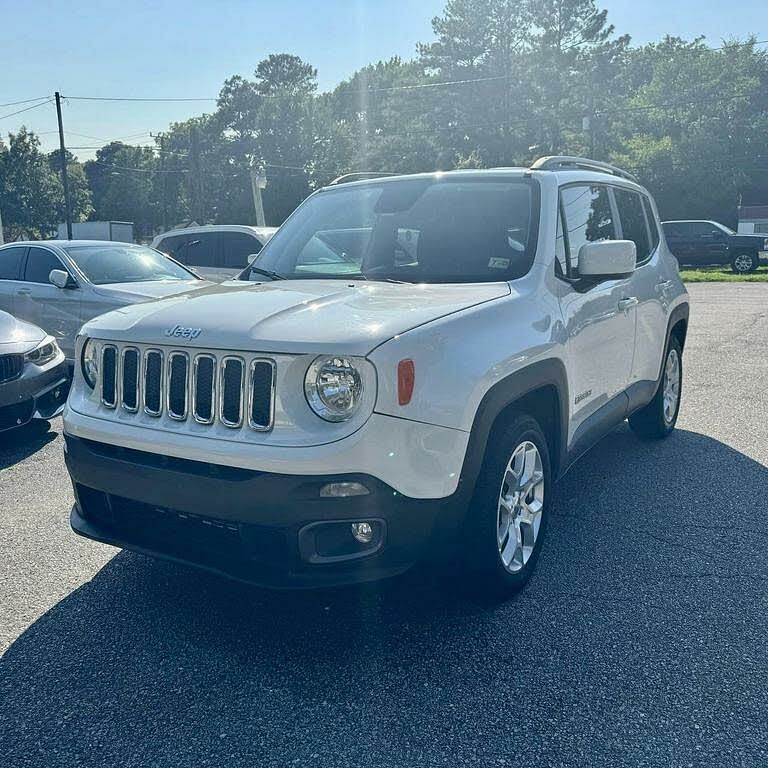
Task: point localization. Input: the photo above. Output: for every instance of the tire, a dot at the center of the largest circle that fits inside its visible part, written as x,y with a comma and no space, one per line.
657,419
745,262
501,568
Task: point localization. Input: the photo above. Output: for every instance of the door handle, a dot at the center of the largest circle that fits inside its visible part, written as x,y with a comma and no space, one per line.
628,303
24,292
664,285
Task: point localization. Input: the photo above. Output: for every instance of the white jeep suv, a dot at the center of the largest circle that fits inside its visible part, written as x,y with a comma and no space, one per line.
401,376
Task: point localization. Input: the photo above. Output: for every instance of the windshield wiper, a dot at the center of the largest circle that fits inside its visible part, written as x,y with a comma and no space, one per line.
268,273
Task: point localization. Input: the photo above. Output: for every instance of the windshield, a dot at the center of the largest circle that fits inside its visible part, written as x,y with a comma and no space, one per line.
125,263
433,230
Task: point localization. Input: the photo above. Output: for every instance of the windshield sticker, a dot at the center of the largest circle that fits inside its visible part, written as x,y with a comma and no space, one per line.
498,263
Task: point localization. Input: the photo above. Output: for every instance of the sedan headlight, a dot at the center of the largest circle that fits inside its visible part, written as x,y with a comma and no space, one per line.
333,387
43,353
90,363
765,244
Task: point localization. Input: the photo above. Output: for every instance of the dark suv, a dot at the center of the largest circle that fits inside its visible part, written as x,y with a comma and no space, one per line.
699,243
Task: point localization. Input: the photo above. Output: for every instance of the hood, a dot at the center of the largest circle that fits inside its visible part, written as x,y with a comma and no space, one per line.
288,316
150,289
17,336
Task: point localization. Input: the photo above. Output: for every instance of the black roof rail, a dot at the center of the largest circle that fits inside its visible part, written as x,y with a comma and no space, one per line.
563,162
359,176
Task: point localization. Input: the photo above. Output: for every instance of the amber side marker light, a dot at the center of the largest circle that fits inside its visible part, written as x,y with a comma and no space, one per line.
406,378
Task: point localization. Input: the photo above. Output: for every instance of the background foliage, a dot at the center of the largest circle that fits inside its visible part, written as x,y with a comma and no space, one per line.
501,83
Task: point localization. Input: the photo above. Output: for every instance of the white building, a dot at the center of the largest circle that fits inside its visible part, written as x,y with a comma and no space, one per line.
753,219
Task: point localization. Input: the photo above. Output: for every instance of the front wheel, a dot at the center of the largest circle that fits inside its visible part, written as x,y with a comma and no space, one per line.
657,419
510,507
744,262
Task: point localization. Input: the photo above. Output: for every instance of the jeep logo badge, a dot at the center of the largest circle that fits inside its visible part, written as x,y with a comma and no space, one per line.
179,331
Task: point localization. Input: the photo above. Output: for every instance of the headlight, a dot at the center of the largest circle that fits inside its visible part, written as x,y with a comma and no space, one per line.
90,363
334,388
44,352
765,244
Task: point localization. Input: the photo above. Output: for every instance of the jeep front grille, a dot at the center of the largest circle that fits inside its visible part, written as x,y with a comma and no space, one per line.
229,389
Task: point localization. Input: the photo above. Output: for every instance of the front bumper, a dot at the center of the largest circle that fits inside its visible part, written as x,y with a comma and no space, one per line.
37,393
265,528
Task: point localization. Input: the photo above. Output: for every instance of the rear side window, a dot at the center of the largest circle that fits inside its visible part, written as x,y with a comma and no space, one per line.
652,226
633,225
193,249
10,262
40,262
588,218
236,247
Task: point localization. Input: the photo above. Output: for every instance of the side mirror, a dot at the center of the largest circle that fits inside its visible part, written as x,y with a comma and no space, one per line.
61,279
607,259
252,257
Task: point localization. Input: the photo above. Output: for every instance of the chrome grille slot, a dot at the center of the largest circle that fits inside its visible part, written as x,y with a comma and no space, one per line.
178,367
153,382
130,382
109,375
231,391
204,389
261,394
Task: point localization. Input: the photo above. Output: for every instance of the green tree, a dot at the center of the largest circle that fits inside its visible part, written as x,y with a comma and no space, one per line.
31,193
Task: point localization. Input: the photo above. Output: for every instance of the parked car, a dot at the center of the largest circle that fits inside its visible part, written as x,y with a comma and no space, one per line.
33,373
59,284
216,252
357,404
704,243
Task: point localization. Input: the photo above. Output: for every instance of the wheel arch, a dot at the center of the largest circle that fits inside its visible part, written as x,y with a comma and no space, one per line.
539,390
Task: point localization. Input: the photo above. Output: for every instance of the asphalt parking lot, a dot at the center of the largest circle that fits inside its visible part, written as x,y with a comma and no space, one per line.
641,640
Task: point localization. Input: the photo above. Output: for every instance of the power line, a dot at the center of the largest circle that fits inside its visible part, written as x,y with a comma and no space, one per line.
26,109
131,98
23,101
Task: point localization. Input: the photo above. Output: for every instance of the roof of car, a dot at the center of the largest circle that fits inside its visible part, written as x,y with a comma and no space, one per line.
689,221
64,243
259,231
562,175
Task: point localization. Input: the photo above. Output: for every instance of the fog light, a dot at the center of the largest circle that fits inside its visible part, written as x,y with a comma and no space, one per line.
363,532
342,490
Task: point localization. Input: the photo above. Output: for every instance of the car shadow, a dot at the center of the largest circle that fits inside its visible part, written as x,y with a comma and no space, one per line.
21,443
151,663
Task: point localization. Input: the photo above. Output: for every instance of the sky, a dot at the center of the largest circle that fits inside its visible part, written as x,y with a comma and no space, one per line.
187,48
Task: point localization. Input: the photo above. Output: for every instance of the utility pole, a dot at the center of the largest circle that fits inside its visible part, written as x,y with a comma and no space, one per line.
164,186
258,182
197,192
64,179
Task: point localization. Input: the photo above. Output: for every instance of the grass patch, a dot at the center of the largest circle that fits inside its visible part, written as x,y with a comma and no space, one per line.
723,275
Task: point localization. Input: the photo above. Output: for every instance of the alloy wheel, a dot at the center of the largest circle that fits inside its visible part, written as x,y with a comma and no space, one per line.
743,262
671,386
520,507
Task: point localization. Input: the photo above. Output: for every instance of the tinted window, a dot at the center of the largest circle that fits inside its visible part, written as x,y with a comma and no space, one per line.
632,217
561,255
124,263
651,222
236,248
588,217
196,249
40,262
10,262
700,228
435,230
